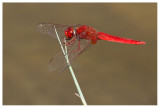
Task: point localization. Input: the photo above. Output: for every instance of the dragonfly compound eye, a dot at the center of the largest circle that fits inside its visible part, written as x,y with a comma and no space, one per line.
69,32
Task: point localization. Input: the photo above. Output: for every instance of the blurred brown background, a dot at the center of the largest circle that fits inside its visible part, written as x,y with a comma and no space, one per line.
109,73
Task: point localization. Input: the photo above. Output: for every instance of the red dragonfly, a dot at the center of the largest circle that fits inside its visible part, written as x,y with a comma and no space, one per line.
78,38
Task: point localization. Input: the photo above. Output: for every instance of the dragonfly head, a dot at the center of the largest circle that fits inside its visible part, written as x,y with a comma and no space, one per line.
69,32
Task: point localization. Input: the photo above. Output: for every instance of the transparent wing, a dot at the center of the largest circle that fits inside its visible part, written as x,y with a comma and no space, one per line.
58,62
75,48
48,28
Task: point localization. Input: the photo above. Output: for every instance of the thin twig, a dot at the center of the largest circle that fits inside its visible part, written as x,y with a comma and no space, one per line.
71,70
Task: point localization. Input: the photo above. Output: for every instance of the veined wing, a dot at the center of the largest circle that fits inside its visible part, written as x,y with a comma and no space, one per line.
48,28
59,61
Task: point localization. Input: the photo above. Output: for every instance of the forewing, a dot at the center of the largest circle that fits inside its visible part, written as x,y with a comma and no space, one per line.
48,28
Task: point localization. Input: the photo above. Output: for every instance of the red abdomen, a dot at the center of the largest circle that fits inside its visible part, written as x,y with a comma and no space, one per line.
104,36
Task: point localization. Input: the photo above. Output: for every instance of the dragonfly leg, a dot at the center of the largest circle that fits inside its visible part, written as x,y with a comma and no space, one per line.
69,43
72,40
79,46
84,48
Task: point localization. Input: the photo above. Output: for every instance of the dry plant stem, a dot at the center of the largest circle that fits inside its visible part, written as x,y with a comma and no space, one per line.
71,70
